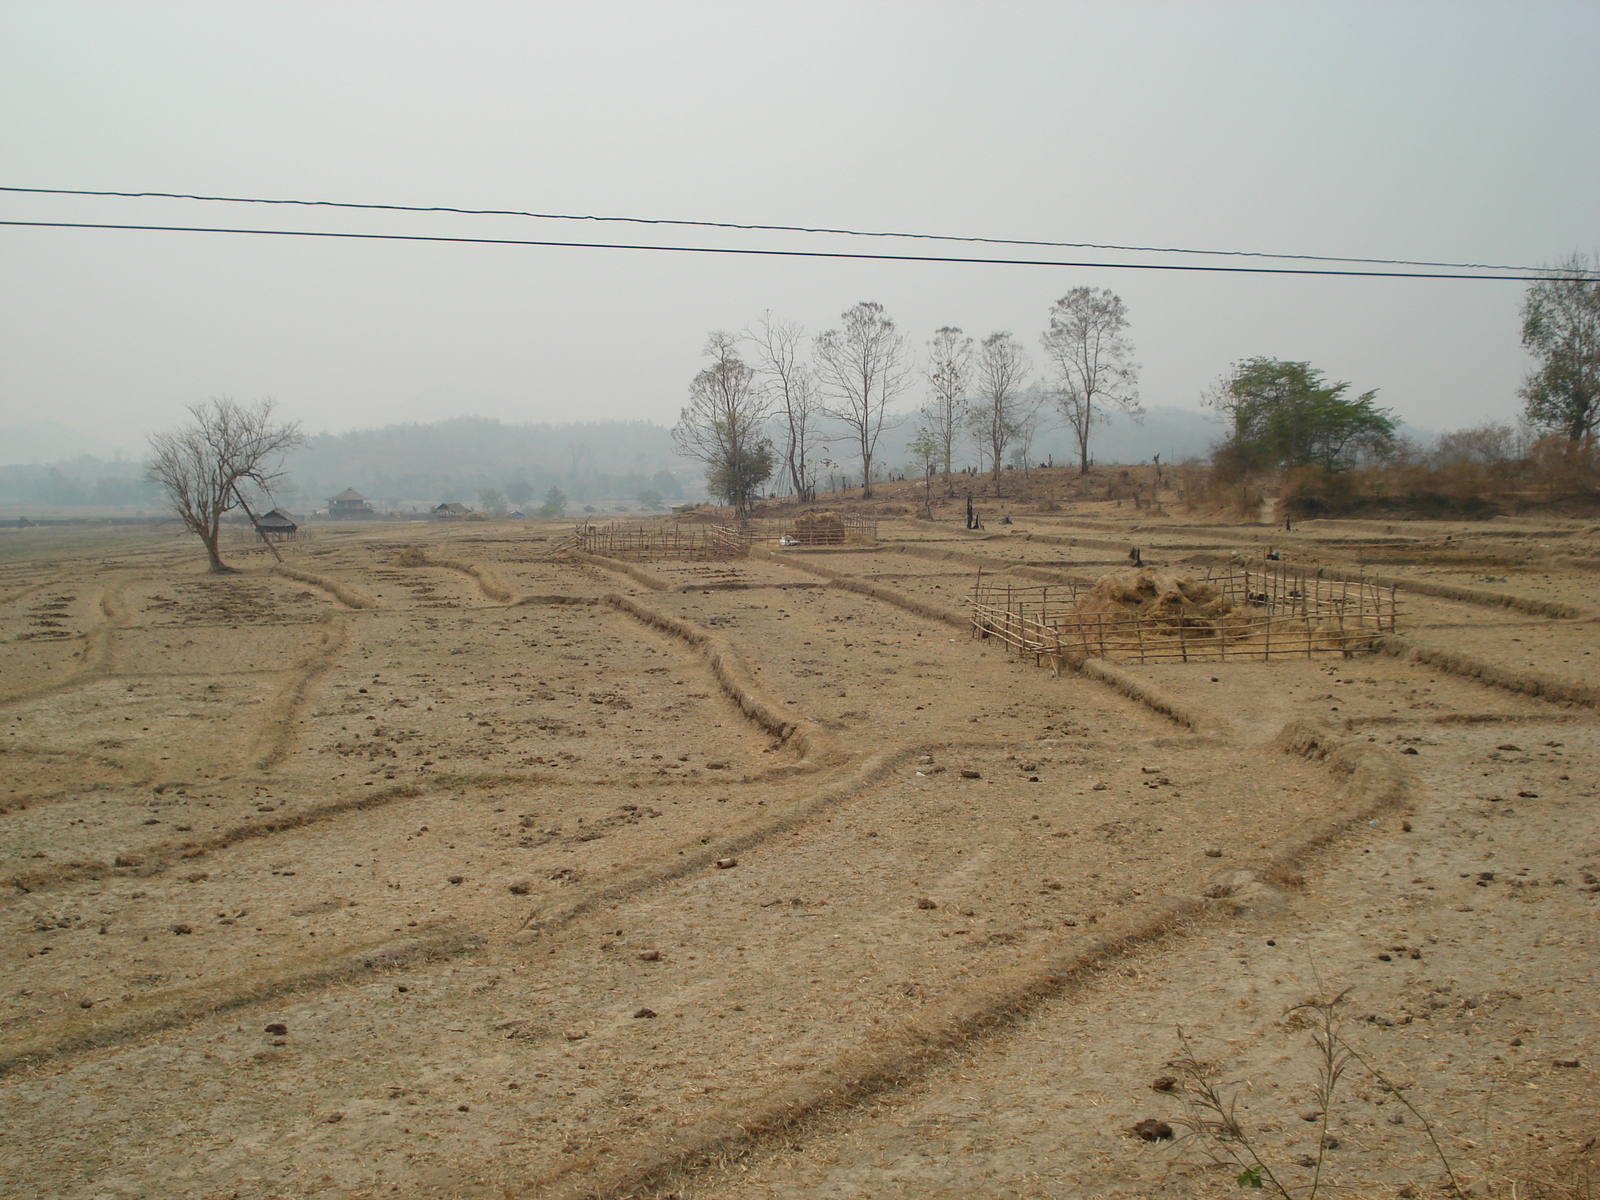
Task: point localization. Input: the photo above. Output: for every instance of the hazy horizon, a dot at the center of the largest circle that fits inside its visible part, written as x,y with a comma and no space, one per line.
1450,132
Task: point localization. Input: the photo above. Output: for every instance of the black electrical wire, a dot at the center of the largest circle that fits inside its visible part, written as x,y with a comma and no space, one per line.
991,241
928,258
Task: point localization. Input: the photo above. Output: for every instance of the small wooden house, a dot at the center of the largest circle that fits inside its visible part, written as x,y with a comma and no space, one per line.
276,526
350,505
452,511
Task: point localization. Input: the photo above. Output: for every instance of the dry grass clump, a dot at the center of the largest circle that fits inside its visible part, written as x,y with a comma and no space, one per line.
411,556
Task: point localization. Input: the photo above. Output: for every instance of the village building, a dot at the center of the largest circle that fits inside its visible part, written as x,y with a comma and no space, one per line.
277,526
350,505
452,511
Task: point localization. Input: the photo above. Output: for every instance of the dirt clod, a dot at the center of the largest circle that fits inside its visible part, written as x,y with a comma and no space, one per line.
645,1014
925,902
277,1029
1163,1083
1152,1130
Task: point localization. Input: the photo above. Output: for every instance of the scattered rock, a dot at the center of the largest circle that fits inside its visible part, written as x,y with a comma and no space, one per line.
645,1014
926,902
1566,1062
649,956
277,1029
716,766
724,864
1409,750
181,929
1311,1114
85,1003
1163,1083
1152,1130
333,1118
1305,1160
1213,852
457,878
463,1108
925,759
1330,1142
971,775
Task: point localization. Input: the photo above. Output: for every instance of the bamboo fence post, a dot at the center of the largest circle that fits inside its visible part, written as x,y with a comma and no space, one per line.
1183,641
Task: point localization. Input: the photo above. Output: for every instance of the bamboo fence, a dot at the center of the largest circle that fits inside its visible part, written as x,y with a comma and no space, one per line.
1277,613
667,539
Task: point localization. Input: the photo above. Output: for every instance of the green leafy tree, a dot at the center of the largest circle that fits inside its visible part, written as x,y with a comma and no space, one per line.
1561,329
555,503
1285,415
737,478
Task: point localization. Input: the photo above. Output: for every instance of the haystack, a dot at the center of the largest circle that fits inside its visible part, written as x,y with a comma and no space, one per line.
818,529
1159,598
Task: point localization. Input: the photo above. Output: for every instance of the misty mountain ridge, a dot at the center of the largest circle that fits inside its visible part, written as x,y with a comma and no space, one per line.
413,465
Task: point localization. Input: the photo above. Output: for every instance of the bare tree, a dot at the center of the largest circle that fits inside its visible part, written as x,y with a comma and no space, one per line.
1093,359
863,368
722,426
791,387
1000,410
949,373
201,466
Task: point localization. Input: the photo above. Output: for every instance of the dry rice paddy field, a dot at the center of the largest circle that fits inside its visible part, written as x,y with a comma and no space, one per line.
437,863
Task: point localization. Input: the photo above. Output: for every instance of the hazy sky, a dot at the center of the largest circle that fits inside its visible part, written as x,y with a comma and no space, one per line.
1453,131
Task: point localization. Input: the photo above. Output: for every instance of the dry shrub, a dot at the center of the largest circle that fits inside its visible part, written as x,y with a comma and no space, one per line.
1047,506
411,556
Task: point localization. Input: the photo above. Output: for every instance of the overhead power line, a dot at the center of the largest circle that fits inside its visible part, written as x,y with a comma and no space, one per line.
740,250
940,237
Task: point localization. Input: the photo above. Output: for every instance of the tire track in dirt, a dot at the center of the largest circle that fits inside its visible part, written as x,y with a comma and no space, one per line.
921,1044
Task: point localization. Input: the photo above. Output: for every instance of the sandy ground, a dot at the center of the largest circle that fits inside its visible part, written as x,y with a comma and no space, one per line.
436,864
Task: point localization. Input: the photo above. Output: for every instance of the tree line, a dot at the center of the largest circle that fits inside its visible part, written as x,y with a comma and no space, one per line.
759,406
